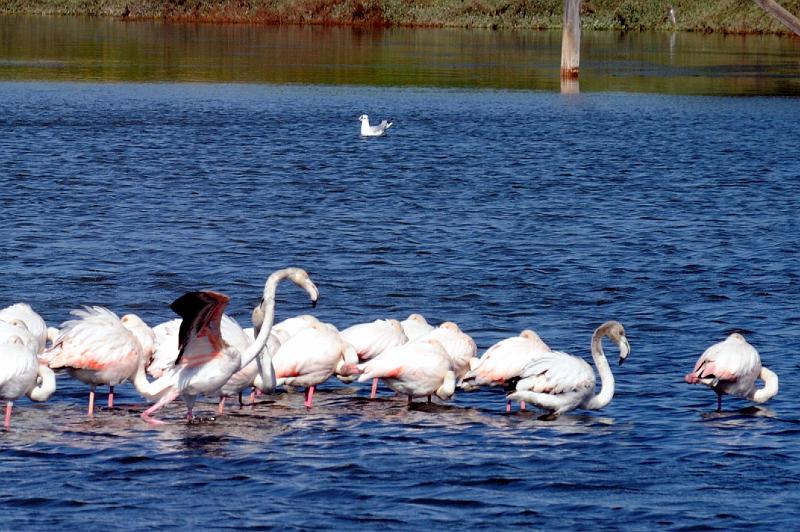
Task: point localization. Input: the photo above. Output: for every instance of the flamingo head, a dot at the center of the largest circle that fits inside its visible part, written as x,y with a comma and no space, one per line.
616,333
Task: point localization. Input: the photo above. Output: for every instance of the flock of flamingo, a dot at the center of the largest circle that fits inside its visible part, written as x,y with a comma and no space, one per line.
206,353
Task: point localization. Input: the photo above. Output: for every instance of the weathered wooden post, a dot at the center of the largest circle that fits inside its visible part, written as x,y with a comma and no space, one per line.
571,40
780,14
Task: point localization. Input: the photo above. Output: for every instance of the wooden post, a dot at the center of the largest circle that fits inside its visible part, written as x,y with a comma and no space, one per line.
780,14
571,40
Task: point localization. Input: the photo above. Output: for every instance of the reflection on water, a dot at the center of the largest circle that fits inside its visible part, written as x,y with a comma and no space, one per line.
63,48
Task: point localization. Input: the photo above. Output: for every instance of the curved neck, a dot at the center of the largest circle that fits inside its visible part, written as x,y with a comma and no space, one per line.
268,313
604,370
770,388
45,386
140,382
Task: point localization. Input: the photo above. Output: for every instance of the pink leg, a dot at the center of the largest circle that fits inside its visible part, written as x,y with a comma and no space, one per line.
508,407
91,401
168,398
374,388
309,396
110,397
253,397
522,405
221,407
9,406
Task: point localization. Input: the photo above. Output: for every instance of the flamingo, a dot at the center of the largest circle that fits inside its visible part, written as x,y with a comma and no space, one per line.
32,320
311,356
256,374
415,326
504,361
731,367
371,339
100,348
415,369
22,374
206,362
167,352
558,382
460,346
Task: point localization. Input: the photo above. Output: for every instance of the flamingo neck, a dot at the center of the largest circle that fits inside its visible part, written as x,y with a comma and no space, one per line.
270,288
45,386
604,370
770,389
140,382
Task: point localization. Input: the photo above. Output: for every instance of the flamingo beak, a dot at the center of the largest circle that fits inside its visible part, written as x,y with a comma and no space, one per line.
624,350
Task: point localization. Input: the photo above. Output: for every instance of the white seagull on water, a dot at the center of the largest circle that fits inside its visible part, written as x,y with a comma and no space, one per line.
373,131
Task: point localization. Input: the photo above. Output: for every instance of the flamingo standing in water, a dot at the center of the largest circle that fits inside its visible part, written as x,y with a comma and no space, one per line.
415,369
206,362
558,382
503,362
311,356
20,370
731,367
372,339
99,348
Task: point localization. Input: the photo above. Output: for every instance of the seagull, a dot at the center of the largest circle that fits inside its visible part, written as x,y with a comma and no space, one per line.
373,131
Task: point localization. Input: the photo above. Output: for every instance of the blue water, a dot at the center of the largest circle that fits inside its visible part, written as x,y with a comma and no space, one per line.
498,210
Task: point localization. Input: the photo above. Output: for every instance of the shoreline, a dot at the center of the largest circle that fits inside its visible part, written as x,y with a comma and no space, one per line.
728,17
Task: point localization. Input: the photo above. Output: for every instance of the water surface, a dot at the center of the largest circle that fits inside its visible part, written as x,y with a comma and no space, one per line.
68,48
497,210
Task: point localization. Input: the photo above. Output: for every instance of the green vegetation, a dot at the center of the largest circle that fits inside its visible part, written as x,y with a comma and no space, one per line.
729,16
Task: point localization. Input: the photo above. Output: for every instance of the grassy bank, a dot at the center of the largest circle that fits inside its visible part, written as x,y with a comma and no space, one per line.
731,16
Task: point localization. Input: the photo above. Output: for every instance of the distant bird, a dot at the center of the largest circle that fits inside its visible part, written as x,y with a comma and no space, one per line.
416,369
22,374
558,382
99,348
373,338
206,362
416,326
731,367
373,131
671,15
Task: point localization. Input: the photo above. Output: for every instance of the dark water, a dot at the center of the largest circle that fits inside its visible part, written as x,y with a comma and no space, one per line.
498,210
101,49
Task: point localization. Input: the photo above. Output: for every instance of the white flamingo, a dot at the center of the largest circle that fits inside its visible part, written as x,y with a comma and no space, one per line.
558,382
311,356
205,362
731,367
100,348
460,346
504,361
417,369
371,339
22,374
32,320
415,326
